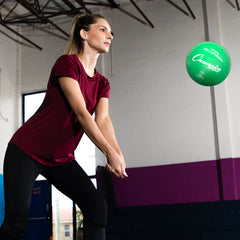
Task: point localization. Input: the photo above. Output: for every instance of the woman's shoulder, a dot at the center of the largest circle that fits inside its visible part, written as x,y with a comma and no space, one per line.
102,79
100,76
66,58
67,61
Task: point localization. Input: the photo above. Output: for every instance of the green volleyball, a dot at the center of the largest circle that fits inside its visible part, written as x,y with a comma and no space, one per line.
208,63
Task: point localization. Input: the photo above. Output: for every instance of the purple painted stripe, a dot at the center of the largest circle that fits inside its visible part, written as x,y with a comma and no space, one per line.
179,183
237,177
228,178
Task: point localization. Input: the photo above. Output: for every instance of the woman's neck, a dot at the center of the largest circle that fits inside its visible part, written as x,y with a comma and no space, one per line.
89,62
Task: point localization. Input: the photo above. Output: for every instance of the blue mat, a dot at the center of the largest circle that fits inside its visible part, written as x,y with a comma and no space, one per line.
1,200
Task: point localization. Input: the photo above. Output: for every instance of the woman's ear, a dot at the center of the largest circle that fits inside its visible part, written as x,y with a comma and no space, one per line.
83,34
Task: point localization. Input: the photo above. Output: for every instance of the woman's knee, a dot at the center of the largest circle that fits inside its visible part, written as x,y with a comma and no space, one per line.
95,210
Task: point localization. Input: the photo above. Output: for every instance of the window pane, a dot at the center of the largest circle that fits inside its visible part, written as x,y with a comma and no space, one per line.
85,155
31,104
66,227
62,215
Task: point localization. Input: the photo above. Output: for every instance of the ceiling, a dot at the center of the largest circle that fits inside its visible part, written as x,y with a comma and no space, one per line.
44,13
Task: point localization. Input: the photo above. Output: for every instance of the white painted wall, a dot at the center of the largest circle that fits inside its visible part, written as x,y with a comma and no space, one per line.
230,35
37,64
9,92
160,115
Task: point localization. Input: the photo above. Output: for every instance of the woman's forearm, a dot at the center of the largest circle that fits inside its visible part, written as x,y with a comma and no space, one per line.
106,128
93,132
114,156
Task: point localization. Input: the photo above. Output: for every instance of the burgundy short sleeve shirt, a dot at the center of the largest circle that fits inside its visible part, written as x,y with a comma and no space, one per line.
52,134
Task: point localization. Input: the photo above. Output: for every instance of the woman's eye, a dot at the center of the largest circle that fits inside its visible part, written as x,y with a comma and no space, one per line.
102,29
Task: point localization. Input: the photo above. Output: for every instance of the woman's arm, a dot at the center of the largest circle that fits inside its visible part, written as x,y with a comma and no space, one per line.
104,124
71,90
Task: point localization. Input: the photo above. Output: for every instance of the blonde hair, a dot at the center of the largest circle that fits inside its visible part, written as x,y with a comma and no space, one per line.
83,21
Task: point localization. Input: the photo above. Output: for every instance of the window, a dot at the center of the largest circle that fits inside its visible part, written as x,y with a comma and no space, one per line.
66,230
31,103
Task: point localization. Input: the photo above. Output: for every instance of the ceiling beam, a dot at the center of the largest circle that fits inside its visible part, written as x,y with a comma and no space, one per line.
10,11
179,8
18,34
2,2
237,4
142,13
45,5
228,1
82,4
131,15
189,9
59,6
113,3
15,40
40,15
69,4
98,4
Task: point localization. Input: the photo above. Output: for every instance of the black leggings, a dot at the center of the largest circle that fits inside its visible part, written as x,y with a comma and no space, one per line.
20,172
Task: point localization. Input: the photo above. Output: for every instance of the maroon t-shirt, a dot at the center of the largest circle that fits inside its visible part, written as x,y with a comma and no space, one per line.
52,134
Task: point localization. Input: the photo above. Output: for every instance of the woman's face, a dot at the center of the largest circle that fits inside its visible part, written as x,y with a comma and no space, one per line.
99,37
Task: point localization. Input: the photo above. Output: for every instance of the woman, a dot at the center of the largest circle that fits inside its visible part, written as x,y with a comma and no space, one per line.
46,142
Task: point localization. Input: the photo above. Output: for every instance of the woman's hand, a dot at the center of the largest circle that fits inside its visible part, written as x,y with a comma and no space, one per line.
116,164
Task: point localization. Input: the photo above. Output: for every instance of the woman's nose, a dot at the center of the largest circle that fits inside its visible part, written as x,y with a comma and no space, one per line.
110,35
